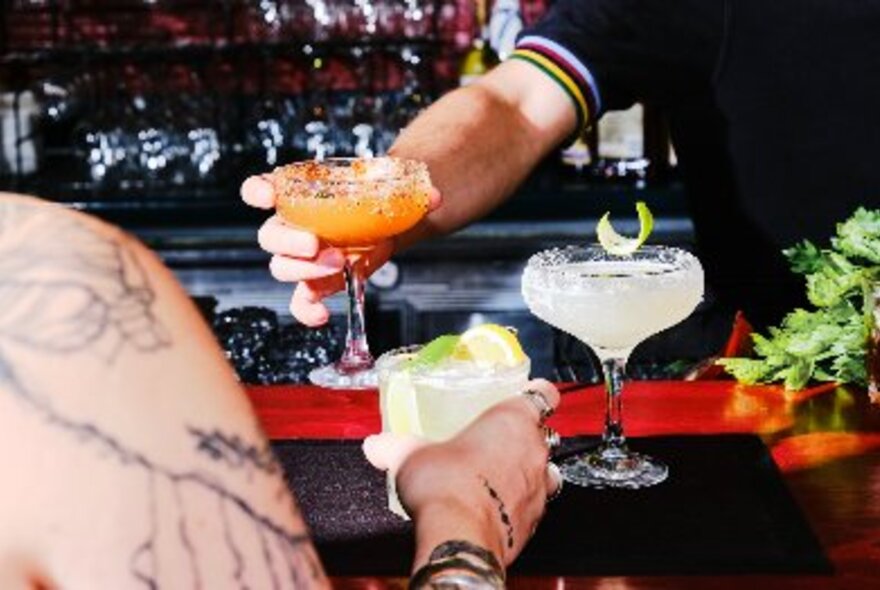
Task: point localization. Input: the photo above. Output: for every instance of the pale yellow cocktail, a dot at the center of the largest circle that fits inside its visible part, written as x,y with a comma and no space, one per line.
437,399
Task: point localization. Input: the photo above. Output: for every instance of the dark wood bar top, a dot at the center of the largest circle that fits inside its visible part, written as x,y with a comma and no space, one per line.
825,442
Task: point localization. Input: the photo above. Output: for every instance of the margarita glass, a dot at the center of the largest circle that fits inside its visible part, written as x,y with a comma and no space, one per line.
612,303
352,204
437,401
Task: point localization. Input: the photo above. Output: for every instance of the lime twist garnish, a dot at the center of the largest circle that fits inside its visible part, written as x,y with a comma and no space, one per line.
619,245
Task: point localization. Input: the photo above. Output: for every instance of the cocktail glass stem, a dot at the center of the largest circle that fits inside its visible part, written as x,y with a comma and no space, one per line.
356,356
612,464
354,369
614,370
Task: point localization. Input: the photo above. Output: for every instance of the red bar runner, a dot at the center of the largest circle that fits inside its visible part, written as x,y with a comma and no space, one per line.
650,408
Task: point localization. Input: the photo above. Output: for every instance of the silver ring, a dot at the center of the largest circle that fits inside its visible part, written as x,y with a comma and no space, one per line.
537,398
556,474
551,437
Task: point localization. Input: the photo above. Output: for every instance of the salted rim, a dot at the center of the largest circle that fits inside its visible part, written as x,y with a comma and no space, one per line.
351,171
675,260
544,270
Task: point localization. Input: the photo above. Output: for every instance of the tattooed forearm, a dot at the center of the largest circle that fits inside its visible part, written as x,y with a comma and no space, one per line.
66,290
233,451
502,510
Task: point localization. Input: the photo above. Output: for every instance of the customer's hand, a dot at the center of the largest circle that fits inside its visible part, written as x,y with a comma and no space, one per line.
299,256
488,485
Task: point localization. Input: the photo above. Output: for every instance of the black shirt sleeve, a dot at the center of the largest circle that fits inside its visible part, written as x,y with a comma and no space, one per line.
618,51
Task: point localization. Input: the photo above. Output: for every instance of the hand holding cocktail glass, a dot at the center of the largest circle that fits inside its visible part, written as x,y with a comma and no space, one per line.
336,224
504,446
299,256
434,391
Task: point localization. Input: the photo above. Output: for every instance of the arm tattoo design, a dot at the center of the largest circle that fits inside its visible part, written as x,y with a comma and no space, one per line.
234,452
66,290
502,510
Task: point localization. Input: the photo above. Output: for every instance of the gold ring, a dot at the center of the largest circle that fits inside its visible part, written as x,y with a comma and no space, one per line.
539,400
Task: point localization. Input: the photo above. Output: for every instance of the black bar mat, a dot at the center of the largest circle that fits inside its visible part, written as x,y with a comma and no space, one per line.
724,510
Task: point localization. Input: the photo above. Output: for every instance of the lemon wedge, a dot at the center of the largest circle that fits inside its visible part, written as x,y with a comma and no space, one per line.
401,405
619,245
490,343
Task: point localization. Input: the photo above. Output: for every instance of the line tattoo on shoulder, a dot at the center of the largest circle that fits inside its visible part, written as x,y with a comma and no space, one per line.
502,511
68,290
65,289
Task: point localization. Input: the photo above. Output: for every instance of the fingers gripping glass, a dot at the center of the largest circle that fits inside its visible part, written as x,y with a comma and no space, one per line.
352,204
611,303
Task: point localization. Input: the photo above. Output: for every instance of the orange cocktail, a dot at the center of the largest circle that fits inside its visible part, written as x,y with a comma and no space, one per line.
352,204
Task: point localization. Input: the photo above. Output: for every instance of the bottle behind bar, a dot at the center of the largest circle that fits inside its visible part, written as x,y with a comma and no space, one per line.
480,58
631,145
621,144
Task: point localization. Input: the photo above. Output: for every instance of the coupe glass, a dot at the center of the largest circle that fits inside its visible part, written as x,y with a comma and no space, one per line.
352,204
612,303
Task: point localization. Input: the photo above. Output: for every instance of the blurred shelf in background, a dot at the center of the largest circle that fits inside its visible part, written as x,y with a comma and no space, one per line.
150,113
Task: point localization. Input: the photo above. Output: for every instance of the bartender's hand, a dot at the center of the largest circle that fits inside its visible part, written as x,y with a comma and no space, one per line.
298,256
488,485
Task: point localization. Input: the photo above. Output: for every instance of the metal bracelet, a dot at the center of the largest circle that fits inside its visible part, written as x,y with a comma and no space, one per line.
454,573
458,548
459,564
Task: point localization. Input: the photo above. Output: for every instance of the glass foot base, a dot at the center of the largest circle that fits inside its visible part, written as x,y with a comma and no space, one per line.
613,468
332,377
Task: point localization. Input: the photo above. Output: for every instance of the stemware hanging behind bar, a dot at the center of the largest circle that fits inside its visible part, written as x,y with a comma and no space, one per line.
135,105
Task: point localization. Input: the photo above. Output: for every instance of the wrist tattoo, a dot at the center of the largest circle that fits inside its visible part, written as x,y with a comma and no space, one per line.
459,565
502,511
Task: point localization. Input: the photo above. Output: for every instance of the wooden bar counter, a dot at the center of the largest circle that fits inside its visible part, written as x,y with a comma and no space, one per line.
825,441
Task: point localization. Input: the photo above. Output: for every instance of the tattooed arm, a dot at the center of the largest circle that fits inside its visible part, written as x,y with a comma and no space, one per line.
129,456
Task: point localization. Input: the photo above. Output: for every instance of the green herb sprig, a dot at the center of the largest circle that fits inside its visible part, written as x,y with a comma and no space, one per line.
828,343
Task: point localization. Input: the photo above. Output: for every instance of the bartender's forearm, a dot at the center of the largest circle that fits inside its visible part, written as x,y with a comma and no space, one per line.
481,141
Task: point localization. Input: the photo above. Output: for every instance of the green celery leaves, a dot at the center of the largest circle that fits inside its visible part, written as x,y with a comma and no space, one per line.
828,343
